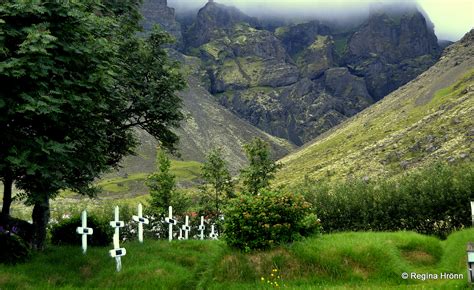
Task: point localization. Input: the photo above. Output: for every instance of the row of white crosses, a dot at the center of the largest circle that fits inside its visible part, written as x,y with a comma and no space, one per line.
186,228
118,252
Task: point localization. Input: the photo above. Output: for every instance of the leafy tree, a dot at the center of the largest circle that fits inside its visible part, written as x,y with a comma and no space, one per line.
217,175
162,185
76,81
163,191
261,169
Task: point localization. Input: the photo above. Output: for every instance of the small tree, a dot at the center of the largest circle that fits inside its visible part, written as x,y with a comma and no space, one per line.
261,169
217,175
162,185
163,191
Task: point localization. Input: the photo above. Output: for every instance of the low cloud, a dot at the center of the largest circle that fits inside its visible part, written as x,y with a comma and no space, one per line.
440,12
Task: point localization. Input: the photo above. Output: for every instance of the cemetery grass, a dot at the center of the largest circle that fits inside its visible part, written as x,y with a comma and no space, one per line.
365,260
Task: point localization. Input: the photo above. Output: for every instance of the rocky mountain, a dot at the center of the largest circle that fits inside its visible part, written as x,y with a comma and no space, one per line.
213,21
390,49
208,125
427,120
298,80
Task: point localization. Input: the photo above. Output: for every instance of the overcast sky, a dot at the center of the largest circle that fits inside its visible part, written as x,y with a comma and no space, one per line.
452,18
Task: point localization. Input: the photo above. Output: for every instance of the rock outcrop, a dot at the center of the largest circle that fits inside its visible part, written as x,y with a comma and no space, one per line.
213,21
389,50
247,57
158,12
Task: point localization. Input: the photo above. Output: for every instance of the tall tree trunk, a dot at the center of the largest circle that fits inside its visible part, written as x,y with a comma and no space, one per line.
40,221
7,198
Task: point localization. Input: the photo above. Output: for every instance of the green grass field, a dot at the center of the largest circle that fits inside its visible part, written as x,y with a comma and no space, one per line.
338,261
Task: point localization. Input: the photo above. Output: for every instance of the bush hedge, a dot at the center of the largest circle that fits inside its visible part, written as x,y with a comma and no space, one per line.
64,233
265,220
12,248
434,201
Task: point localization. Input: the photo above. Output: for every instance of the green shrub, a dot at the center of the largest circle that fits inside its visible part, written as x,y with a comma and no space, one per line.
64,233
265,220
13,249
432,201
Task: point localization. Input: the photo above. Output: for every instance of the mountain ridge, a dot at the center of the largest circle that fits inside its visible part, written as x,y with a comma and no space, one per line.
425,121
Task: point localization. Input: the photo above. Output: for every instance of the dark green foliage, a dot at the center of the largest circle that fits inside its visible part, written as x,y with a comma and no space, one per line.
13,249
268,219
76,81
64,233
162,185
217,176
435,201
261,169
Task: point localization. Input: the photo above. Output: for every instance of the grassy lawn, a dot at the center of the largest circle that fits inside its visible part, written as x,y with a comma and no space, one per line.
339,261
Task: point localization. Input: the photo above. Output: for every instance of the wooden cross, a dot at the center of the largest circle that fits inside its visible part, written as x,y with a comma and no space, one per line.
180,236
117,252
201,228
84,231
213,234
186,228
171,222
140,220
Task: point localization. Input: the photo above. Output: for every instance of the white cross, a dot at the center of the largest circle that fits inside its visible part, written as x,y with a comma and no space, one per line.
180,237
171,222
186,228
472,212
213,234
140,220
117,252
201,228
84,231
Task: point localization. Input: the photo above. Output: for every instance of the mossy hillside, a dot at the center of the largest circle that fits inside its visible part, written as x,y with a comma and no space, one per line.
416,125
344,260
185,172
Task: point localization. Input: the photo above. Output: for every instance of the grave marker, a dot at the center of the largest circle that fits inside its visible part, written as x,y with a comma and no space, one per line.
117,252
84,231
186,228
180,237
472,212
140,220
214,235
170,222
201,228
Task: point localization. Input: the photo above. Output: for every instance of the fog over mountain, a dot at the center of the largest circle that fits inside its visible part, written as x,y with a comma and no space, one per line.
452,19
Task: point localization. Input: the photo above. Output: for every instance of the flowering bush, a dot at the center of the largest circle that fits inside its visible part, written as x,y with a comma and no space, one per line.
270,218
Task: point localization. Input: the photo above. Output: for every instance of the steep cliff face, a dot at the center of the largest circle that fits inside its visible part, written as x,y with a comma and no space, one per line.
389,50
297,37
303,110
300,80
158,12
315,59
213,21
246,58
